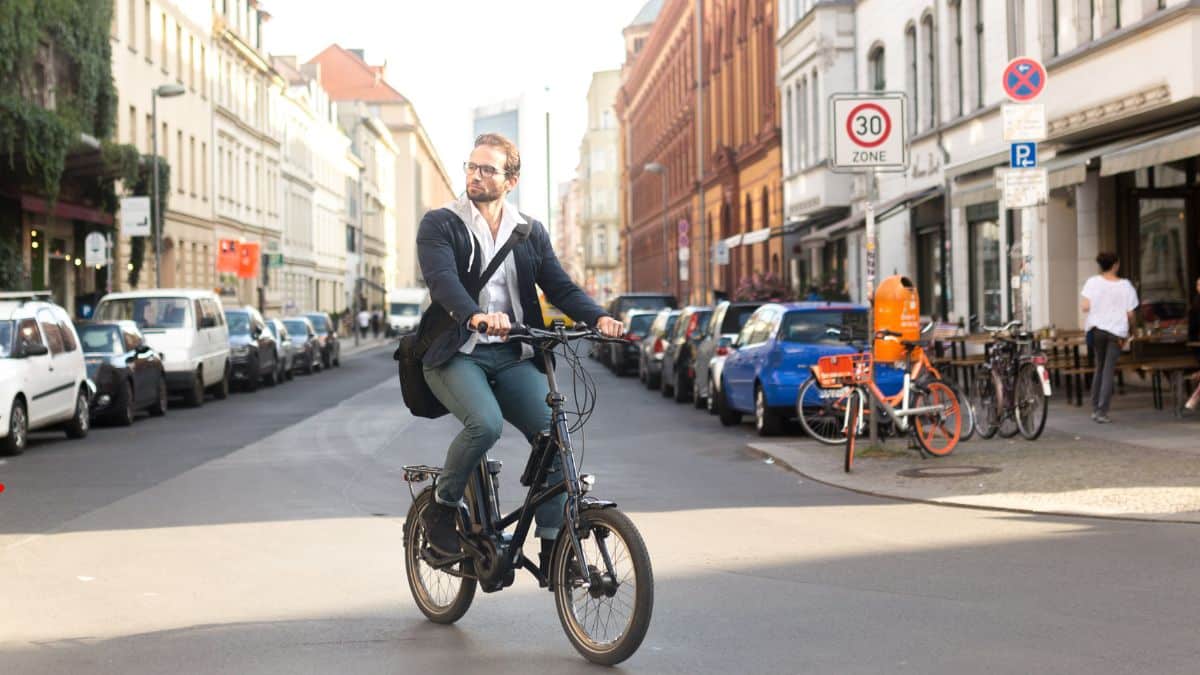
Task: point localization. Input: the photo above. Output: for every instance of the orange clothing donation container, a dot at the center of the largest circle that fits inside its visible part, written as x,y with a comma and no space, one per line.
898,309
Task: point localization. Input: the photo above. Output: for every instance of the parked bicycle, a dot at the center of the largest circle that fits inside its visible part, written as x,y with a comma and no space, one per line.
1011,389
599,570
822,410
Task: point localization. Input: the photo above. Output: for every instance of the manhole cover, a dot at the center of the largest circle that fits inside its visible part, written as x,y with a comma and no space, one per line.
948,471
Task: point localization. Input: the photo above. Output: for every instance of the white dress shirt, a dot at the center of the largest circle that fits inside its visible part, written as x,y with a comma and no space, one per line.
497,295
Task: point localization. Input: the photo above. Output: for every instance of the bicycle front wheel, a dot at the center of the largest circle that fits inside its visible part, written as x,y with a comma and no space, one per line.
985,403
441,596
822,412
938,431
607,619
1030,402
968,410
851,431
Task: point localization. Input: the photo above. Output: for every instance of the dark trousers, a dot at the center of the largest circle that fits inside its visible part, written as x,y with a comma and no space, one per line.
1106,349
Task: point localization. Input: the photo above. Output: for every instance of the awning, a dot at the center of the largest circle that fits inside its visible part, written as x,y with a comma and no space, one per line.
756,236
980,194
1169,148
1070,167
883,211
734,241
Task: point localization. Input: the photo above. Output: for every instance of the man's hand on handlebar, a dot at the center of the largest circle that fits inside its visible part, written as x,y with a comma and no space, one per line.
610,327
496,324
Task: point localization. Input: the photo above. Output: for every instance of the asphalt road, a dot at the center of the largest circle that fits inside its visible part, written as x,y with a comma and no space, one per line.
262,534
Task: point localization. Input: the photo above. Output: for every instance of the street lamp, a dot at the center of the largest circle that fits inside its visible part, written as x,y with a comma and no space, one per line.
655,167
165,91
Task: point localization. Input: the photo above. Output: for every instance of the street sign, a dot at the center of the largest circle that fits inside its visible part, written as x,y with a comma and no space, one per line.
685,254
1022,156
868,132
135,216
1023,79
95,250
1024,122
683,240
721,253
274,260
1024,188
683,227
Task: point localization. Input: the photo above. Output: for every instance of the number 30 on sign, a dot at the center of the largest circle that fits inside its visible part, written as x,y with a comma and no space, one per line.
868,132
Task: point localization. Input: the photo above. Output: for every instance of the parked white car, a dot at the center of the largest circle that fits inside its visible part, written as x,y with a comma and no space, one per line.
43,377
187,326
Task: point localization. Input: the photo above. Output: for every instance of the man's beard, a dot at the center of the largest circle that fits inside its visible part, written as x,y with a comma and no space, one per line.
484,196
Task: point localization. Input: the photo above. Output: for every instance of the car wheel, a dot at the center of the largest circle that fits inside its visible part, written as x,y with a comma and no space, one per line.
337,358
221,389
311,366
272,378
195,394
18,431
698,401
253,376
683,391
641,372
710,401
668,387
81,421
290,371
159,408
125,414
766,421
729,416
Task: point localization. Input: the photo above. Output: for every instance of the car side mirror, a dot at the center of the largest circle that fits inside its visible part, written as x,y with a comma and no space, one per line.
143,349
34,349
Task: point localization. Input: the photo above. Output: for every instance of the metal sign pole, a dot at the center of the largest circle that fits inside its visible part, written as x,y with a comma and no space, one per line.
869,213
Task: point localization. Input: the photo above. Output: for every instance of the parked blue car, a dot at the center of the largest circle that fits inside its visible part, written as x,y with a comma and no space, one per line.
773,354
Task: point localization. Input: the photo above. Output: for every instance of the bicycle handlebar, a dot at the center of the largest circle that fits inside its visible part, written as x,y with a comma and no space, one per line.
1002,329
522,333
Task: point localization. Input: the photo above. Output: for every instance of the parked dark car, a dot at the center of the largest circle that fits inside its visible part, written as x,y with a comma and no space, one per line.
307,355
252,349
627,301
678,365
654,344
128,374
284,349
774,355
727,321
327,335
623,357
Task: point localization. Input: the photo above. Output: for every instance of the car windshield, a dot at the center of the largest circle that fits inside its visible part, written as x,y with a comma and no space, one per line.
812,327
319,322
640,323
405,309
298,330
6,339
239,323
101,340
149,313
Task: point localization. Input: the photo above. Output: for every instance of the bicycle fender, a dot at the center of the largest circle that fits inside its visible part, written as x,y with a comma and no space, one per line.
589,503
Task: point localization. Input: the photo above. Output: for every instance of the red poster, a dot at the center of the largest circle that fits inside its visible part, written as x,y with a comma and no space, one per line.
248,259
227,256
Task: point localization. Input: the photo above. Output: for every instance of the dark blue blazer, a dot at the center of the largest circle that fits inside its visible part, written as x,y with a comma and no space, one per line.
444,245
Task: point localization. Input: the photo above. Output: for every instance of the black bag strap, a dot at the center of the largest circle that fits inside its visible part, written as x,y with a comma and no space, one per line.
519,234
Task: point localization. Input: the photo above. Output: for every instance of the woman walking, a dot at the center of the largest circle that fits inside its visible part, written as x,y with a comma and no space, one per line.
1108,301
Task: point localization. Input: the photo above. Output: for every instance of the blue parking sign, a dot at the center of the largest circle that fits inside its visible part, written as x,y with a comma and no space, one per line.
1022,156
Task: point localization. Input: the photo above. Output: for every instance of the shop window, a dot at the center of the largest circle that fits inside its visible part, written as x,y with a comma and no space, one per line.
931,272
1162,272
984,246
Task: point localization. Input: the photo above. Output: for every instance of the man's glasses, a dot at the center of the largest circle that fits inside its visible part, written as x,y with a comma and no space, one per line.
485,170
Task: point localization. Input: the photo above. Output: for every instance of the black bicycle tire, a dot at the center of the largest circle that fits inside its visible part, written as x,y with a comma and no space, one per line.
985,426
1031,371
966,407
625,646
837,439
466,592
851,430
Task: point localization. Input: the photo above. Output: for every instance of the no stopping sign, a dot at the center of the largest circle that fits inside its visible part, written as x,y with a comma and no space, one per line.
868,131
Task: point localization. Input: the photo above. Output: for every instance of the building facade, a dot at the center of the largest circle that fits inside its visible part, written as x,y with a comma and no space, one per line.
522,119
599,179
739,143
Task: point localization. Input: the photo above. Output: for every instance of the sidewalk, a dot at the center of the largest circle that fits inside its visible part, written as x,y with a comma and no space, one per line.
1146,465
349,348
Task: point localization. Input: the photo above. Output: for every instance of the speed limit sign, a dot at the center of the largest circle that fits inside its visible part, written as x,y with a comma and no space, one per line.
868,132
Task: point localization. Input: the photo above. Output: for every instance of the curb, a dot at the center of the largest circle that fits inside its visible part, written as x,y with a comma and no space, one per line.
787,466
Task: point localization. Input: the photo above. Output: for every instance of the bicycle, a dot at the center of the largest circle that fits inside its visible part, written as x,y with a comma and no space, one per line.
590,586
932,404
825,422
1011,388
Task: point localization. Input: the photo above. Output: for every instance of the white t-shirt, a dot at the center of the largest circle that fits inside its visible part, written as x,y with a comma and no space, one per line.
1111,302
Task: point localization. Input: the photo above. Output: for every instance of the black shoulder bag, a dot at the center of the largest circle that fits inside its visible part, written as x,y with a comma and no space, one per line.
419,398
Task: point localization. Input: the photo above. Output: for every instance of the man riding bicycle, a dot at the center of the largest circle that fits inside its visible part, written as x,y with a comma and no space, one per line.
481,378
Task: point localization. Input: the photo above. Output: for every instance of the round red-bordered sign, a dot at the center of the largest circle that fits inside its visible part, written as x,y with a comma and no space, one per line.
1024,79
887,125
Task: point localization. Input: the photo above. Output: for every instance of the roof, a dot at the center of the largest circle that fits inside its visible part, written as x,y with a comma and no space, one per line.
348,78
648,13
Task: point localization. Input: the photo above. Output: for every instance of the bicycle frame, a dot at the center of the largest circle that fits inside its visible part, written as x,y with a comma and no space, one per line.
900,415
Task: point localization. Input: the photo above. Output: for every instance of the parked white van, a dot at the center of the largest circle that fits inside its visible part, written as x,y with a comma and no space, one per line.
187,326
43,378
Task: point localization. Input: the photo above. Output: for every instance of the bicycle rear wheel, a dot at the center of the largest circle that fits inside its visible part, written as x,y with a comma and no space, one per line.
607,620
938,431
985,403
967,408
822,412
441,596
1030,404
851,430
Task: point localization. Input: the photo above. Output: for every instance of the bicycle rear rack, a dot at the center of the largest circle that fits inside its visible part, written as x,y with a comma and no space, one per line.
419,473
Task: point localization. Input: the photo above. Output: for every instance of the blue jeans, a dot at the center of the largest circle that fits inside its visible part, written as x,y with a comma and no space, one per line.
483,389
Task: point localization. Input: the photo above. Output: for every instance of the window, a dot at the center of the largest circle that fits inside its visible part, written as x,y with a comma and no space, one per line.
162,36
68,335
179,160
910,53
929,56
204,170
802,122
146,26
1054,28
956,59
131,40
28,334
192,164
192,62
986,290
979,91
931,272
164,153
203,72
51,330
816,119
132,135
149,134
876,69
790,130
178,54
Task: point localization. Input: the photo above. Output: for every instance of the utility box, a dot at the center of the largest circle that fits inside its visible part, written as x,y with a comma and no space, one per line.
897,308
